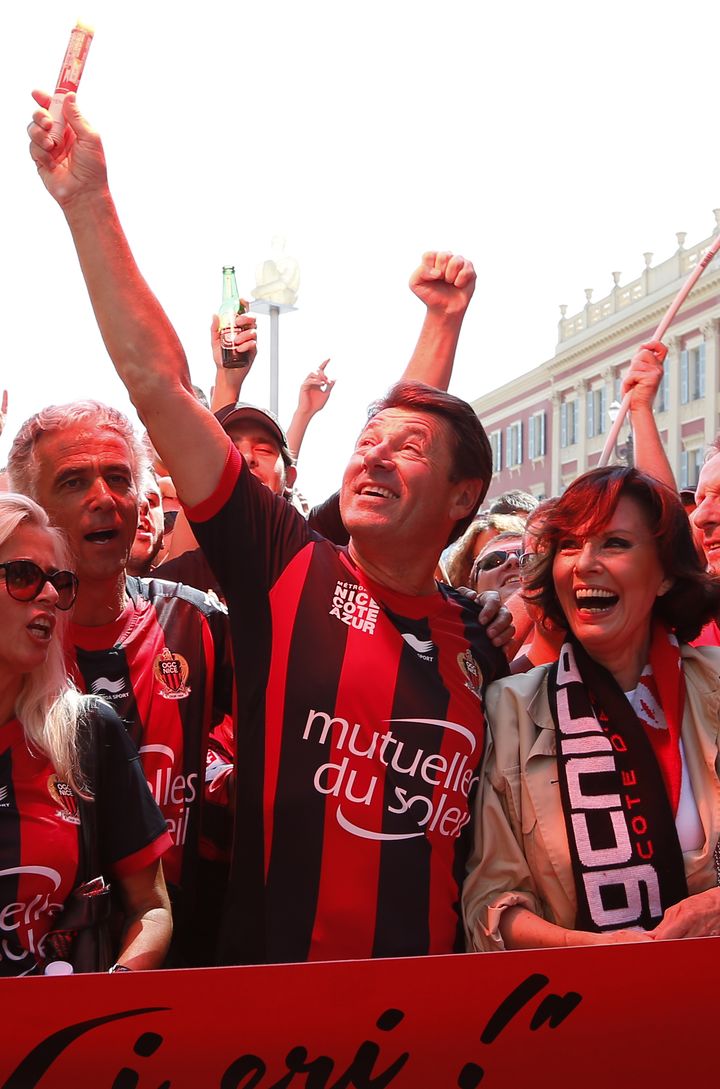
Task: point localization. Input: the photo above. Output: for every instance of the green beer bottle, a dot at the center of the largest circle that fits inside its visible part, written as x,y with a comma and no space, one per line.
230,307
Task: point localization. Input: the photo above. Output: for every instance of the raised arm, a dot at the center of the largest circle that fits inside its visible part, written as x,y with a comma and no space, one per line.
137,333
445,282
312,398
643,380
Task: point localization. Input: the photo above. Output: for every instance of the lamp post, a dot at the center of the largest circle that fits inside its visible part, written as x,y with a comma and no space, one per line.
274,309
275,293
624,452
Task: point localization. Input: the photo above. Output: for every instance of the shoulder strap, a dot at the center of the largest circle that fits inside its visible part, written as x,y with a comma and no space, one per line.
90,729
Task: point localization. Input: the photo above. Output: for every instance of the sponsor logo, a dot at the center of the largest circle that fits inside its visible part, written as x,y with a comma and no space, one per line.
62,794
19,919
172,671
112,690
472,672
424,790
423,647
173,791
355,607
4,791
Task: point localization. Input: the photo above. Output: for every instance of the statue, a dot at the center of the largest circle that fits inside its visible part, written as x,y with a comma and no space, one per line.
278,279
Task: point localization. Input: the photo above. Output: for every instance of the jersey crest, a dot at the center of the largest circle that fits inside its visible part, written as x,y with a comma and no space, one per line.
67,803
172,671
472,671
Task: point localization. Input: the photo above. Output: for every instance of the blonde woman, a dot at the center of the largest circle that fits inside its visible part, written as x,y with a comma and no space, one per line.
46,729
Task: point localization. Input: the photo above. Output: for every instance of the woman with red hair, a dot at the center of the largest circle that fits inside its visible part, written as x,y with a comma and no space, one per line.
598,811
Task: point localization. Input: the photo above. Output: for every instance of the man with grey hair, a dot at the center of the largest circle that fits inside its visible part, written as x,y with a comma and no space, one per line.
157,651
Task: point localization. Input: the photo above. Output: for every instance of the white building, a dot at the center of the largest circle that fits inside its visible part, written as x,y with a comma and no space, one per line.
550,424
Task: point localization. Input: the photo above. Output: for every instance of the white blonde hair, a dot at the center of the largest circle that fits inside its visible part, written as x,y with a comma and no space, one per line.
49,705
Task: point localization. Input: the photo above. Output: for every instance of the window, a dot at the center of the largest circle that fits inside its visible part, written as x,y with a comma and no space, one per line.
569,411
684,380
536,435
690,465
496,447
692,374
595,402
513,444
697,372
663,393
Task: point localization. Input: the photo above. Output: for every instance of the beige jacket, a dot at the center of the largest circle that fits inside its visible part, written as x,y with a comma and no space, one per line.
521,853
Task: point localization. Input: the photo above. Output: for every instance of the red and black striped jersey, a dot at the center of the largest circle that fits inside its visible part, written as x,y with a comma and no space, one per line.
165,667
360,733
39,836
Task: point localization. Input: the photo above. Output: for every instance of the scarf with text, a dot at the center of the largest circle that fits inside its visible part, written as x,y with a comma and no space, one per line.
619,775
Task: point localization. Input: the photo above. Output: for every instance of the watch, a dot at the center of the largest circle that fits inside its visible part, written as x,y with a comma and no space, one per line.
119,968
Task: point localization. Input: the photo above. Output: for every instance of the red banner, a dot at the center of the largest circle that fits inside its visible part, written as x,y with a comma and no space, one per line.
606,1016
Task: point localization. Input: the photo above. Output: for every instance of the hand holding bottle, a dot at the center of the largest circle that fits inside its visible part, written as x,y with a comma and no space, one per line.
75,167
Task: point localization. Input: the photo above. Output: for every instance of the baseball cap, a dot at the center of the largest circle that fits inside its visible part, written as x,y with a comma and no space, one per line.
243,411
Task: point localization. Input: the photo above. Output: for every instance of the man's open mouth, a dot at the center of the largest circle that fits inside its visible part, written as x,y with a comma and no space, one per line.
376,490
100,536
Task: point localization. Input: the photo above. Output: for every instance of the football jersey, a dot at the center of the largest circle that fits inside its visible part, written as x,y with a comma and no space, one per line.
39,836
165,667
360,732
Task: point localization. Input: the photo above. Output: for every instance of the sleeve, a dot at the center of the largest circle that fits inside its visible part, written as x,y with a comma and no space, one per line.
498,874
248,534
131,828
325,519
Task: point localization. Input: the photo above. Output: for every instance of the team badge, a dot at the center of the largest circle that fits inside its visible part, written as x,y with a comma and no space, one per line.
473,676
171,670
61,793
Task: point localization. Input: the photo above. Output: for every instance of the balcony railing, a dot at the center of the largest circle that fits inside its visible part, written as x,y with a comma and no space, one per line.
652,279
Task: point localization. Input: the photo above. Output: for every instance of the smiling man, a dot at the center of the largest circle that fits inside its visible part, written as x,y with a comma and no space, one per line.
360,681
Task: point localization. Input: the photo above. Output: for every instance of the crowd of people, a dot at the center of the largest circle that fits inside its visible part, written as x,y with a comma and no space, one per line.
400,723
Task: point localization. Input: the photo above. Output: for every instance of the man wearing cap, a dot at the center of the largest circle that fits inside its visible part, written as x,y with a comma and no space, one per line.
257,435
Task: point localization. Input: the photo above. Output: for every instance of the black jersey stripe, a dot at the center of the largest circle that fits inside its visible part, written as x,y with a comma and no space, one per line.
297,845
403,895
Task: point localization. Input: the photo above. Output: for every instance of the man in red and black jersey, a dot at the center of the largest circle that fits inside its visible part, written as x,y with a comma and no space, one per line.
158,652
360,681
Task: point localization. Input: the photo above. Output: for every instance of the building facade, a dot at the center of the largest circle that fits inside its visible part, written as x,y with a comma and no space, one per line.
549,425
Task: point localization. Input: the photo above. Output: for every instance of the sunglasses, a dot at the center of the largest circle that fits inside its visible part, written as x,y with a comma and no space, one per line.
24,580
495,559
169,519
528,560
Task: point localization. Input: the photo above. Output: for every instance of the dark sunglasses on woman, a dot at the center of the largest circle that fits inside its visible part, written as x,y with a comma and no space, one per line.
495,559
24,580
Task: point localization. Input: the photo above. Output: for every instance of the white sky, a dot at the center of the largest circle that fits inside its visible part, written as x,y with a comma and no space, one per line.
550,143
